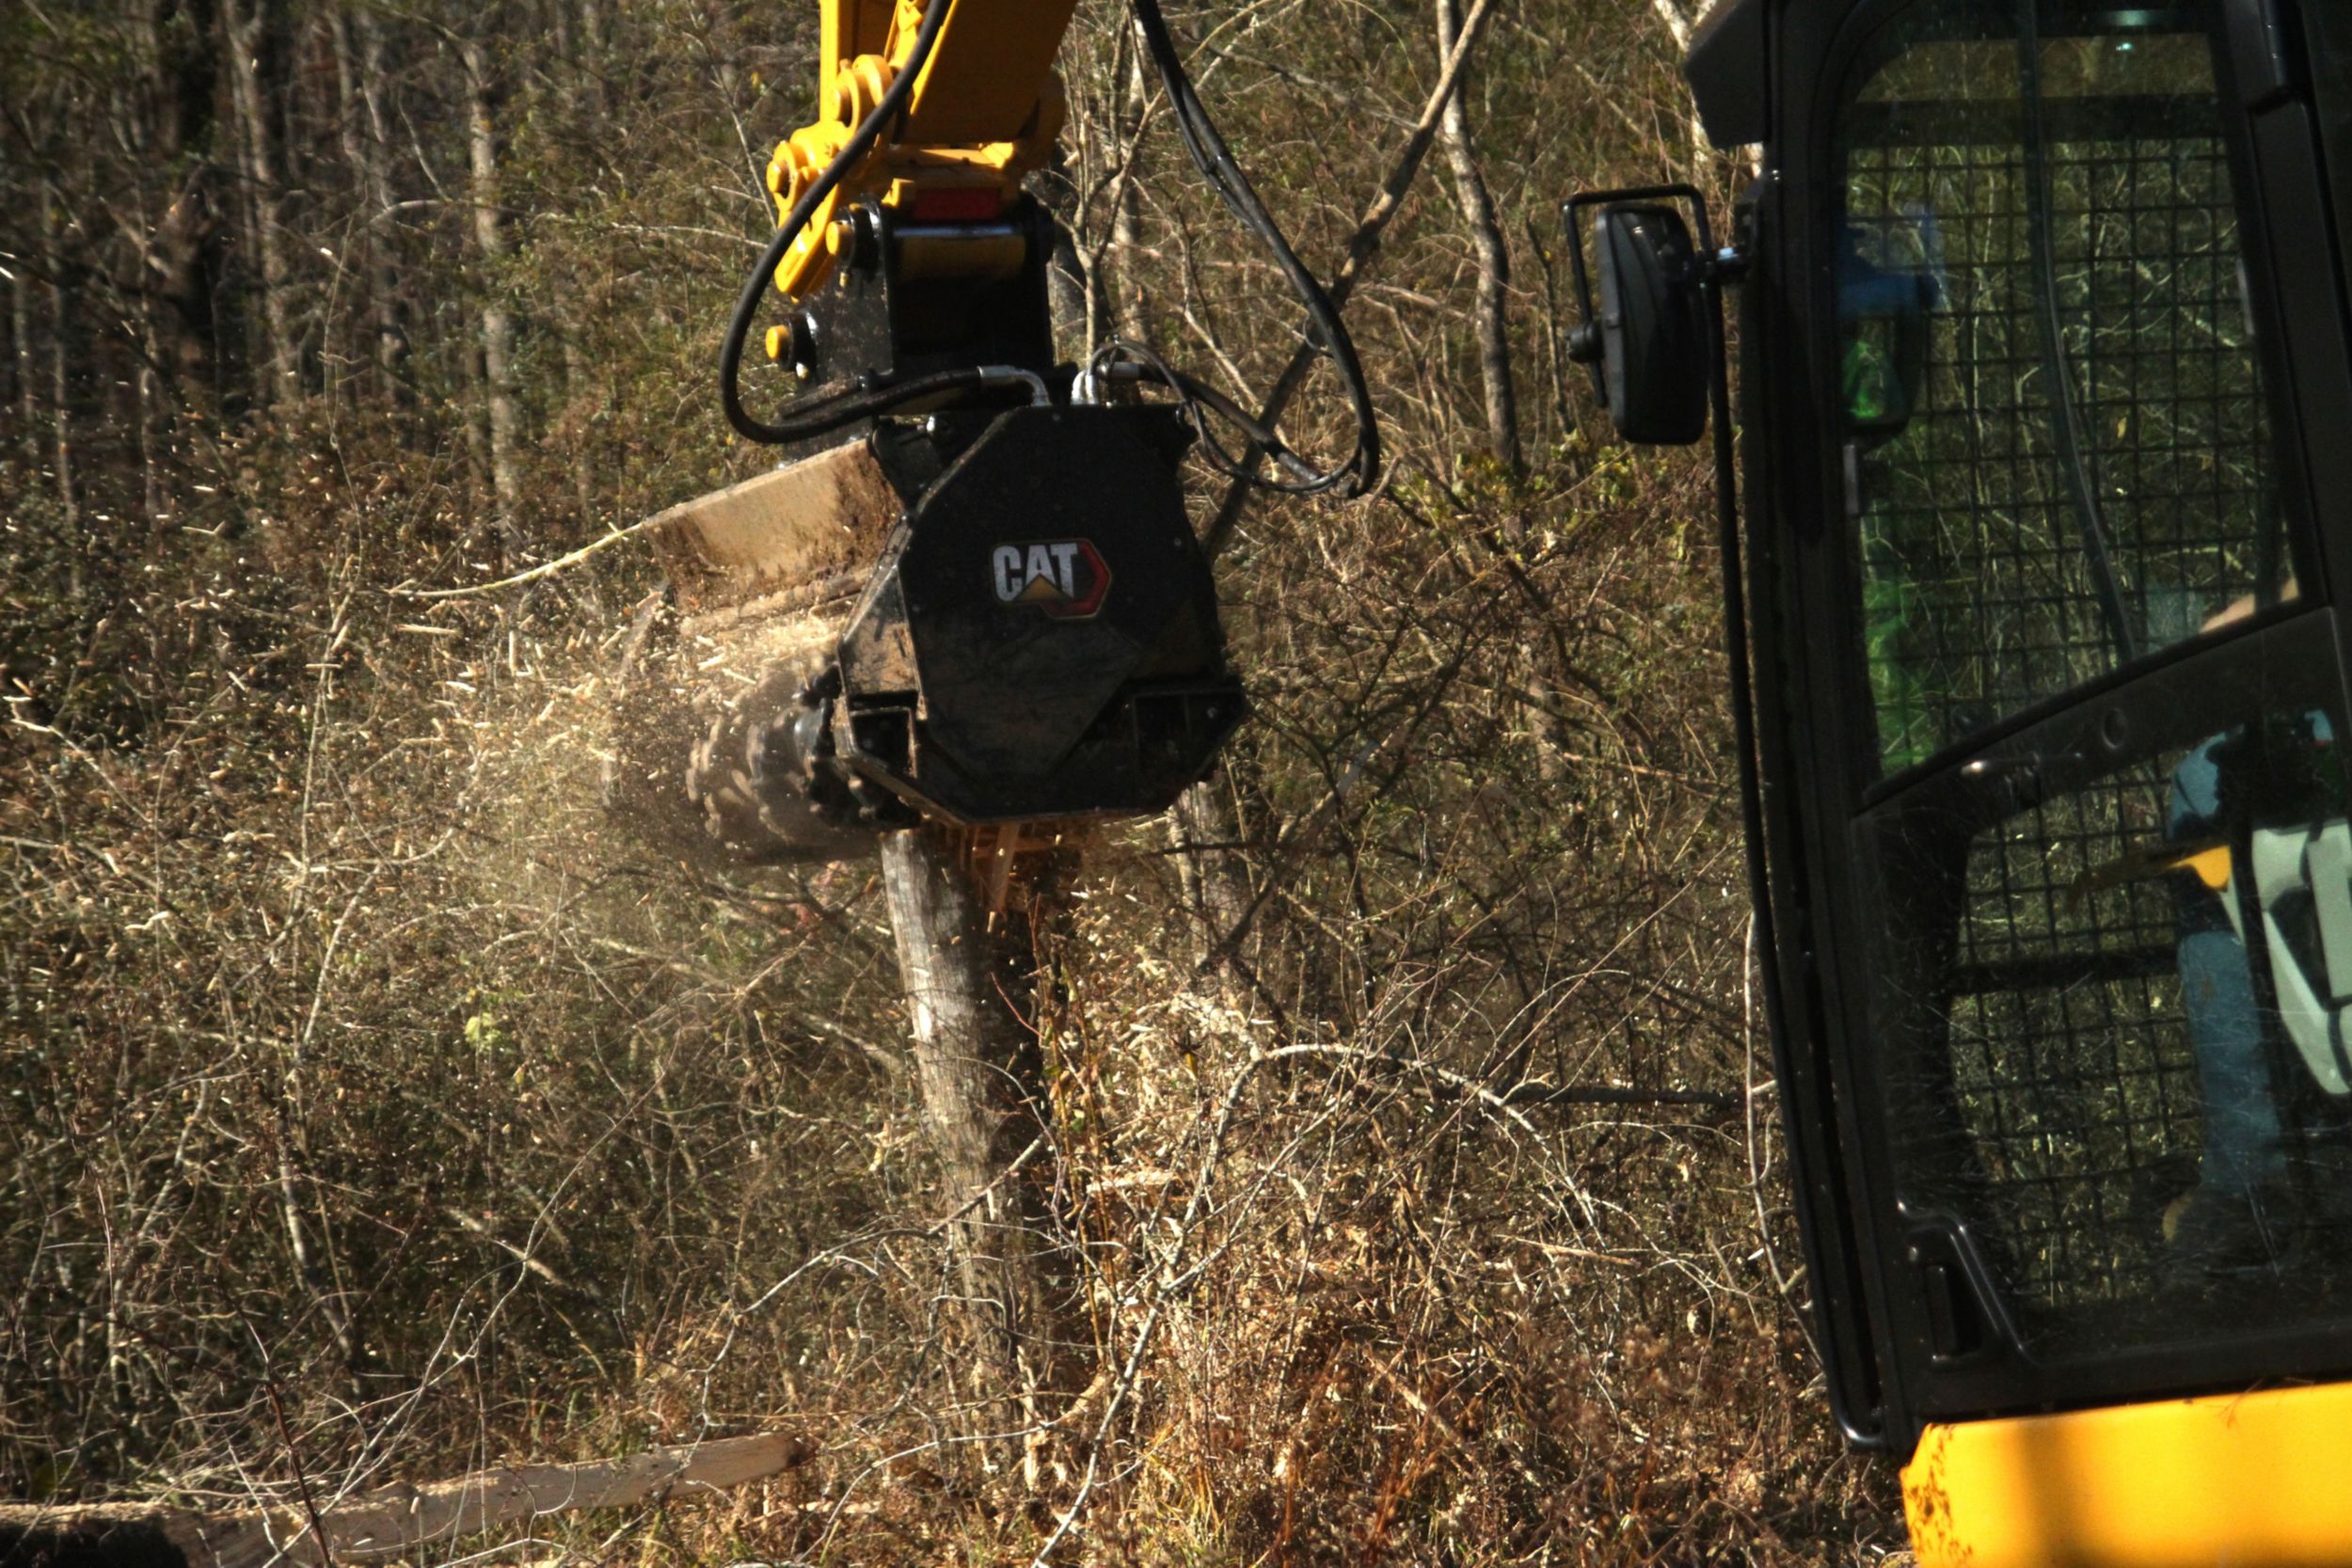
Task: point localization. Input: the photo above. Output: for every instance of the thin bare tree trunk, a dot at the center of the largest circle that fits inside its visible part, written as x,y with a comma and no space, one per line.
153,126
180,65
1679,20
977,1071
1130,309
456,344
1206,828
374,162
1362,245
154,426
165,256
358,258
353,133
581,393
1071,286
1490,322
582,383
21,339
1491,318
1563,411
60,375
497,323
592,55
282,377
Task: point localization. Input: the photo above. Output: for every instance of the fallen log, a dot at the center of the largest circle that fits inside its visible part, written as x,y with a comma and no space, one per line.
387,1523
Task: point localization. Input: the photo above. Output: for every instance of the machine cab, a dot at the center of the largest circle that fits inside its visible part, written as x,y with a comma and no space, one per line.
2047,439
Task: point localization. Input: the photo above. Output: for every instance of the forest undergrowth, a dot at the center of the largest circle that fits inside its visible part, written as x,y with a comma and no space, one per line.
379,1105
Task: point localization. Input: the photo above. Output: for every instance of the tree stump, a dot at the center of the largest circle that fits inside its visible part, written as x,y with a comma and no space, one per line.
966,911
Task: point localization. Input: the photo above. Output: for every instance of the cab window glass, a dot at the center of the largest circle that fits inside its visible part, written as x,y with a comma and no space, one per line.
2054,441
2113,998
2107,948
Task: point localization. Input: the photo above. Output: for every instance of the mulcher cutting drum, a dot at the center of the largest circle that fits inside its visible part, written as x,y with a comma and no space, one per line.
973,618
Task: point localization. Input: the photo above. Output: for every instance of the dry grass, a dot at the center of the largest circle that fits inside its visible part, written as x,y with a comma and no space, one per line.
384,1109
378,1108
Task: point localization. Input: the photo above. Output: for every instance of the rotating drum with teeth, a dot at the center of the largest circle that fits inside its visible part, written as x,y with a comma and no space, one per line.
722,685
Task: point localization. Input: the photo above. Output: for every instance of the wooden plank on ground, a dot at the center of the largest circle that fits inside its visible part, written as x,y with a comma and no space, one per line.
388,1523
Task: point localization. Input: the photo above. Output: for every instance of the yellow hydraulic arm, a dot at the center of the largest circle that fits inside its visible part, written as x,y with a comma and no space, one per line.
929,116
983,112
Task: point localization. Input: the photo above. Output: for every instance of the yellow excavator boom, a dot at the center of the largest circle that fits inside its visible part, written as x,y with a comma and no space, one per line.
984,113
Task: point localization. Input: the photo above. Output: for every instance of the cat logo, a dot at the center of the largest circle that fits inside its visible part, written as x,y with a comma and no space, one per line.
1066,579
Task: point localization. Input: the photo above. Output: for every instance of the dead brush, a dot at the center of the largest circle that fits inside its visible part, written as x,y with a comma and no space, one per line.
1396,1144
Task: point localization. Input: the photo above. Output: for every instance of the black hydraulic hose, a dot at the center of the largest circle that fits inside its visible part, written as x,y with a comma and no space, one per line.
2066,425
1743,730
830,411
1261,436
1190,391
866,398
1743,724
1216,161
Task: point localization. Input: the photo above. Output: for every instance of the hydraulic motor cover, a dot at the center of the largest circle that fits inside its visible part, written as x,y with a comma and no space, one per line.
1040,638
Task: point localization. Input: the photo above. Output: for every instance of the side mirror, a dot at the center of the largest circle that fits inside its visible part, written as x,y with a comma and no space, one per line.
1647,342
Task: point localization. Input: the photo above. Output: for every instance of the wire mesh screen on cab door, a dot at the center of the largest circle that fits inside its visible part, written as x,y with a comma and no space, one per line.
2056,449
2056,457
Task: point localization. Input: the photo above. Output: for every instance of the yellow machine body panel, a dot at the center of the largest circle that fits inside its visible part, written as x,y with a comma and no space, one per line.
848,28
2251,1481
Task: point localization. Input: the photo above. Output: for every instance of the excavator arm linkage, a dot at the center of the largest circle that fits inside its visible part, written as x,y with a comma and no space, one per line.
984,114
